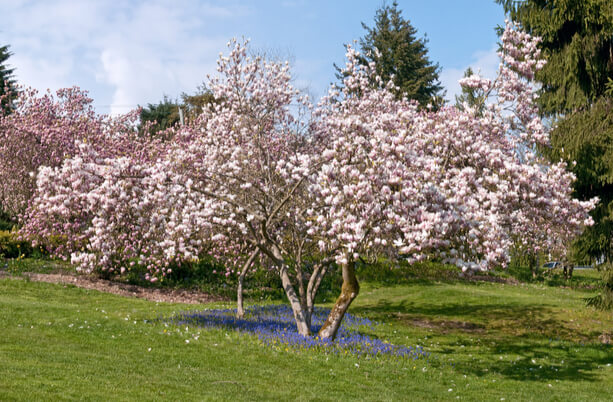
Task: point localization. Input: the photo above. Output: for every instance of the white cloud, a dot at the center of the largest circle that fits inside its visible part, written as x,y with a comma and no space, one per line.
484,62
125,53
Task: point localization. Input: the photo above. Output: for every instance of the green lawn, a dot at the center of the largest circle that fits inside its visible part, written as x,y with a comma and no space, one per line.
487,341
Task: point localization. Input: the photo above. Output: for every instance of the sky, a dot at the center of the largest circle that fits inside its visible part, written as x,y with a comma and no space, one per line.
133,52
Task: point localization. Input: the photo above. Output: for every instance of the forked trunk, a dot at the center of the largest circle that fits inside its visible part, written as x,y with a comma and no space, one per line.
300,311
349,291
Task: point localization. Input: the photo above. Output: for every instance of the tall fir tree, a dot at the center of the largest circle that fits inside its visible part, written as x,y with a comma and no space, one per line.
393,45
577,93
7,80
585,140
577,40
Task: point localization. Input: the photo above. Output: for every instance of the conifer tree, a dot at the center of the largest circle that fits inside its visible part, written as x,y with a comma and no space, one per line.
393,44
470,97
577,92
161,116
585,140
577,40
7,81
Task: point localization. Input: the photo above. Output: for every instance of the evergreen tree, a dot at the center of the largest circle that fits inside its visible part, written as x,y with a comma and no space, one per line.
7,81
393,45
194,104
577,91
585,140
470,97
166,113
161,116
578,44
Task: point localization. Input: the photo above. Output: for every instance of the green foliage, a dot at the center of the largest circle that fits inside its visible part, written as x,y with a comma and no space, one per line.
5,220
7,80
384,272
161,116
210,277
13,247
470,97
398,53
604,300
577,42
194,104
165,114
577,89
587,138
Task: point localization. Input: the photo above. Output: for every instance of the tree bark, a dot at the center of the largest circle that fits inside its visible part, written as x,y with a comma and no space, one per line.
318,273
240,310
299,311
349,292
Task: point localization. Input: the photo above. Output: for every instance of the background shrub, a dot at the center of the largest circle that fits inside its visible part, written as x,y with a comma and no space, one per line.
12,247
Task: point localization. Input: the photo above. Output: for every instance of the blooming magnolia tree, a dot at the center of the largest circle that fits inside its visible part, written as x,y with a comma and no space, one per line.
541,214
250,157
262,174
41,131
449,184
83,195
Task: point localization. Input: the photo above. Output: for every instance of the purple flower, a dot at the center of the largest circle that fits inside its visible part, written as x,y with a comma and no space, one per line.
275,327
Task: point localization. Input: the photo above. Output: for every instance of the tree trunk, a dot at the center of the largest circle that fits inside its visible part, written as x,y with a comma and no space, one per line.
349,291
534,261
318,273
300,313
240,310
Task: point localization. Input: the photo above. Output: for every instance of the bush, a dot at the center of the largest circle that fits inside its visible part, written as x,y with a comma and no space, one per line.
5,221
387,272
13,247
604,301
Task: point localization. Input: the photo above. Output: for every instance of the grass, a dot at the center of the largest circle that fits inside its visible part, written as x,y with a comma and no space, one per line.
487,341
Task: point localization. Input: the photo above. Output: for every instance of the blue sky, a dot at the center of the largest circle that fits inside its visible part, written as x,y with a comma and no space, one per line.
133,52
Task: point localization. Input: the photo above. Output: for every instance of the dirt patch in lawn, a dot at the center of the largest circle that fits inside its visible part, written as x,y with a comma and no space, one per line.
442,326
124,289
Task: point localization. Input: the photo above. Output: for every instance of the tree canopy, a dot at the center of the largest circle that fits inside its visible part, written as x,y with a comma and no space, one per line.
160,116
577,84
164,115
577,92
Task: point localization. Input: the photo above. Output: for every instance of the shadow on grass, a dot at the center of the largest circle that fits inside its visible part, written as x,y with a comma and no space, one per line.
547,361
532,321
536,346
